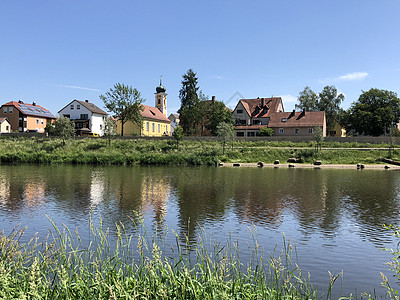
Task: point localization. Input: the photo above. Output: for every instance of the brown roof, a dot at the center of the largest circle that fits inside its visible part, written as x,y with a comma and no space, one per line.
154,113
89,105
31,109
255,108
297,119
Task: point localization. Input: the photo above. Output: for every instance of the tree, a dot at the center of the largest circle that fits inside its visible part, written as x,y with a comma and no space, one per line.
308,100
327,100
219,113
64,128
49,128
178,135
225,131
125,102
109,129
318,134
375,112
266,131
189,114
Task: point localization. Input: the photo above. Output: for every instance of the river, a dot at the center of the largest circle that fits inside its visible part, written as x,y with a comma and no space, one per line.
334,217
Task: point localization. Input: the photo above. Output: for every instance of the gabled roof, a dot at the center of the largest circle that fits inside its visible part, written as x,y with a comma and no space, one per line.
256,109
3,119
31,109
89,105
297,119
154,113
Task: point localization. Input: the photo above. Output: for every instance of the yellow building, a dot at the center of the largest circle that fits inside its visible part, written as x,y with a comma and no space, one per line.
155,121
338,131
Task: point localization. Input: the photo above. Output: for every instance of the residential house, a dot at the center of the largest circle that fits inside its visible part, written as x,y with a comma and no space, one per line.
26,117
338,130
88,117
251,115
174,118
155,122
5,126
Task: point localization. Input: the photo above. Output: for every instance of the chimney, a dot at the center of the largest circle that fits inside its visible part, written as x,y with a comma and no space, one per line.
34,103
87,101
21,102
262,102
292,114
213,99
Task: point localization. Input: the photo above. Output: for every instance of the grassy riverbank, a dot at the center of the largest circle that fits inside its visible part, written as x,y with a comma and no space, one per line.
190,153
137,267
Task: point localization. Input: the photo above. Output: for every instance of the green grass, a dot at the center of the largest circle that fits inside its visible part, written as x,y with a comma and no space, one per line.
138,267
190,153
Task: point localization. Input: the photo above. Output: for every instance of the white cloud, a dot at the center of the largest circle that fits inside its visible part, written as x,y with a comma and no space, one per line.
353,76
288,98
76,87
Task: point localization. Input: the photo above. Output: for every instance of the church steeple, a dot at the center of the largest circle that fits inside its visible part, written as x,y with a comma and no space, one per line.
161,98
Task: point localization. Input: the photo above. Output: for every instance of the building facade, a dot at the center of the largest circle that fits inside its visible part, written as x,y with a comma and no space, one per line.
87,117
25,117
155,122
5,126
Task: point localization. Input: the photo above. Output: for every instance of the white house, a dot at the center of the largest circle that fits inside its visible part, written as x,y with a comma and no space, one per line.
5,126
88,118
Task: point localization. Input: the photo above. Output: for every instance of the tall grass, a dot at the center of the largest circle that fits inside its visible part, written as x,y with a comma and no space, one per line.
142,267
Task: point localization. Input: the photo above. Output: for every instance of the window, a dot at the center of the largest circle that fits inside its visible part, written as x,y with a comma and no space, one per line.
41,121
153,126
10,110
37,121
239,111
147,126
84,116
283,119
309,130
78,106
101,127
159,127
8,128
5,110
240,134
296,130
67,116
250,134
71,106
280,130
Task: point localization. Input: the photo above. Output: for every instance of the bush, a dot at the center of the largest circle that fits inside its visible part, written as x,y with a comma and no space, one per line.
265,131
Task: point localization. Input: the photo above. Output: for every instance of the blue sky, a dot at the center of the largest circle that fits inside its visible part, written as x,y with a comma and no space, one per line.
52,52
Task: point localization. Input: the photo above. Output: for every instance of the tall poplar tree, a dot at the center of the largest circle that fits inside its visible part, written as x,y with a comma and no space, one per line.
189,102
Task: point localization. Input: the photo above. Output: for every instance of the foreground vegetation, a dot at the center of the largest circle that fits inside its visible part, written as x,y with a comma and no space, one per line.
190,152
137,267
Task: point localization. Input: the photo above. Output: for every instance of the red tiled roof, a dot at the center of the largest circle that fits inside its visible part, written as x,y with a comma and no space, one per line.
154,113
33,110
297,119
256,110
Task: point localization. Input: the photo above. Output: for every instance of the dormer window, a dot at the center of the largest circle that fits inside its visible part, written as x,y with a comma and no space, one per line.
284,120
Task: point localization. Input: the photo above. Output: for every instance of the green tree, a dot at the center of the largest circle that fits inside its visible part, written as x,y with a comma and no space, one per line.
178,135
308,100
49,129
126,103
219,113
226,132
110,129
329,102
189,110
375,112
318,134
64,128
265,131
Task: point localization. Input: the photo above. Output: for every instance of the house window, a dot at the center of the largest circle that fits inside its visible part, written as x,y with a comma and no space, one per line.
159,126
41,121
147,126
240,134
101,127
78,106
296,130
250,134
4,110
71,106
153,126
67,116
283,119
10,110
8,128
280,130
239,111
309,130
84,116
37,121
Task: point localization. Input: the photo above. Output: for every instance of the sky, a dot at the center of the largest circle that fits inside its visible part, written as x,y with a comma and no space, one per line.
52,52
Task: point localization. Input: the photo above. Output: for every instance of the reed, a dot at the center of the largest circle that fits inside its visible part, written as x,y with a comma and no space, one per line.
138,266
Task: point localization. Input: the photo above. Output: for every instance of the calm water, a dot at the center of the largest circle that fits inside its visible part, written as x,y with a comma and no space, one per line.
333,216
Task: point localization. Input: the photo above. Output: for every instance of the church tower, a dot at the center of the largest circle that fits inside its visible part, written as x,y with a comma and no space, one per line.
161,98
